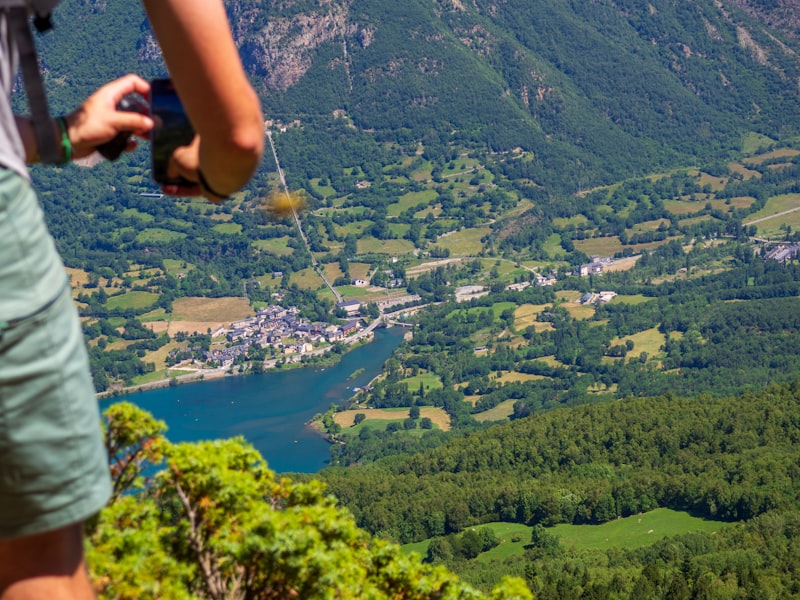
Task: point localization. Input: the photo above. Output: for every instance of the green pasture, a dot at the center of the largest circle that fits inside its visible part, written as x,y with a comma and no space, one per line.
578,221
434,210
360,270
132,300
173,267
228,228
602,246
466,242
423,171
525,315
630,299
637,531
649,225
429,381
410,200
323,190
355,228
137,214
497,309
774,207
552,247
399,229
307,279
333,271
501,412
159,314
373,245
650,341
278,246
158,235
753,142
684,207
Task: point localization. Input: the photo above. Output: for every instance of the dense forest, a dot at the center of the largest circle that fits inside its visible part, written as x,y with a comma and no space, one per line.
732,459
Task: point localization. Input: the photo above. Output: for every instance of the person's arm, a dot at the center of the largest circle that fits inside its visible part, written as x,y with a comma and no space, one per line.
224,110
94,122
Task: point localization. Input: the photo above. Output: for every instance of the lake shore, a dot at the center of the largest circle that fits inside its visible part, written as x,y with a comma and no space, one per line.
219,372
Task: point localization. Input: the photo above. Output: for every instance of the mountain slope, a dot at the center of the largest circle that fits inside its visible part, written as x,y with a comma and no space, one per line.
597,90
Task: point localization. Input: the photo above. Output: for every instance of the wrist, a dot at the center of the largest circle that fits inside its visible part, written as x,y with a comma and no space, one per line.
207,189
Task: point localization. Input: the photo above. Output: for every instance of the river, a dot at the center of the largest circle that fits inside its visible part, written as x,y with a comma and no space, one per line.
270,410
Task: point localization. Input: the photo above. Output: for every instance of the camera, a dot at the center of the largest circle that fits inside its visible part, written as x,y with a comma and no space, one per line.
172,129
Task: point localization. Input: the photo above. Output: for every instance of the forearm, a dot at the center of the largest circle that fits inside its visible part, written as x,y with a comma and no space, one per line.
204,64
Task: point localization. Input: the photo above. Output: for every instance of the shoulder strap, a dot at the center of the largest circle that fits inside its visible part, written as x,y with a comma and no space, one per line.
49,152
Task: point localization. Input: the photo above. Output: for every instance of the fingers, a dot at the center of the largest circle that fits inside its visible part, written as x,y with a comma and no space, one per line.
128,84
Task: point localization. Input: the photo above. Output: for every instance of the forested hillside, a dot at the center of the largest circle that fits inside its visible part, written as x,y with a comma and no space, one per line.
596,90
732,459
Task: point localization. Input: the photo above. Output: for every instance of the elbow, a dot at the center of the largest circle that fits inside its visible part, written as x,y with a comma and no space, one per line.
246,141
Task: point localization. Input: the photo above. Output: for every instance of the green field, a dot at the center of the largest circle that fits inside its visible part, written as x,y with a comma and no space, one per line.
158,234
372,245
409,200
277,246
429,381
228,228
466,242
636,531
501,412
136,300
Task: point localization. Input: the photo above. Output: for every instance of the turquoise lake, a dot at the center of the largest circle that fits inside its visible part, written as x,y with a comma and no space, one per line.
270,410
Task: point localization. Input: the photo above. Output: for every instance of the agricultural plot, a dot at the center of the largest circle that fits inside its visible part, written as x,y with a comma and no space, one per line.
360,270
525,315
277,246
410,200
779,213
346,418
372,245
501,412
466,242
224,310
602,246
307,279
429,381
638,531
137,214
333,271
137,300
516,377
228,228
156,235
650,341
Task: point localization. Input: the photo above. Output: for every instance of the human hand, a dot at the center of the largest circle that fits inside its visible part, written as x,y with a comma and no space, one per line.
98,121
185,164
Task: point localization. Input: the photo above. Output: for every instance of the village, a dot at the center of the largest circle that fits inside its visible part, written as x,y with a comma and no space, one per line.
283,330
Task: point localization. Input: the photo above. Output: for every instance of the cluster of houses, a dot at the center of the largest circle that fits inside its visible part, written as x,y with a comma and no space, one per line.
597,297
783,253
280,328
596,267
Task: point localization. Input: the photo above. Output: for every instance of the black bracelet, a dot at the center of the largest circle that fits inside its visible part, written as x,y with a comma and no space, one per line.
207,188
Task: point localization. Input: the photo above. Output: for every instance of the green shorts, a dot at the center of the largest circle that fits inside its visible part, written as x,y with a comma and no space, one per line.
53,466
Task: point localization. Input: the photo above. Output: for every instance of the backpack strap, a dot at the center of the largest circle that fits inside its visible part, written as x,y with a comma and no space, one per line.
48,145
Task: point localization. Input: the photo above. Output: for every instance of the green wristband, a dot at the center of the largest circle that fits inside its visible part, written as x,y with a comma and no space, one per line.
66,145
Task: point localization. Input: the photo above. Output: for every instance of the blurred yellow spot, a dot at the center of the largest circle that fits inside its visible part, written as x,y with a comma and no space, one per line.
280,205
